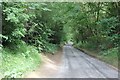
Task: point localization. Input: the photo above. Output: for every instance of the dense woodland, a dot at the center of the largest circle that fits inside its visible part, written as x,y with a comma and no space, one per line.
29,29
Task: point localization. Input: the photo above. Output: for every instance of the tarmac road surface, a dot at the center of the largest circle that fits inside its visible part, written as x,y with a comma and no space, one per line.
76,64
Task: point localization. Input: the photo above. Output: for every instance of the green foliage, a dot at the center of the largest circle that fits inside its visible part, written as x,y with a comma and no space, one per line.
96,29
112,51
91,26
94,26
28,22
14,19
51,48
110,55
3,37
86,45
26,25
16,63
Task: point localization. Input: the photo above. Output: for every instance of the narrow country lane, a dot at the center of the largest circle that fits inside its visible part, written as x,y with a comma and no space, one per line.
37,39
72,63
76,64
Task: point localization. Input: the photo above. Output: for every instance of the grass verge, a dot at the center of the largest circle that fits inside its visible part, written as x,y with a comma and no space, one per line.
17,62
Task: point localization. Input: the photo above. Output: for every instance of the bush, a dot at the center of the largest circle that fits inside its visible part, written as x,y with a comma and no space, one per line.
50,48
86,45
112,52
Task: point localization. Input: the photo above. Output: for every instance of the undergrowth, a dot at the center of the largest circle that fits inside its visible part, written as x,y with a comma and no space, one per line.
15,63
110,56
51,48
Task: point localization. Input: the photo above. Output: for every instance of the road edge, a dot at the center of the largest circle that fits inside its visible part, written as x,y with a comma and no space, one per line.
87,52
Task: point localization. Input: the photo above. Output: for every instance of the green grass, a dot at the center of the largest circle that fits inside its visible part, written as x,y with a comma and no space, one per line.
110,56
17,62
